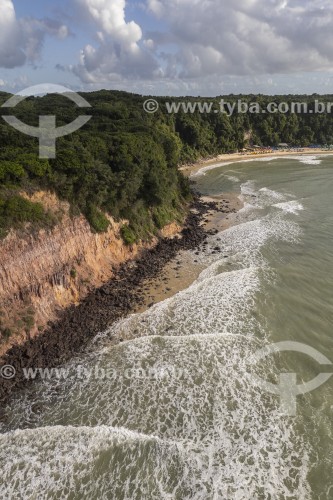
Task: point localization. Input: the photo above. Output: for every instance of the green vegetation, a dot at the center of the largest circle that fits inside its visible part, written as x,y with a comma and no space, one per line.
73,273
6,333
123,162
97,219
16,210
212,133
29,322
128,235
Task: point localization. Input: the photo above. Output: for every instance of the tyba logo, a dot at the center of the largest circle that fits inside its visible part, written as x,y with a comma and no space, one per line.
287,389
47,132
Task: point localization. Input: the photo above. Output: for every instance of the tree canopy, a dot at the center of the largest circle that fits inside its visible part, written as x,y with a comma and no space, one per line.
124,161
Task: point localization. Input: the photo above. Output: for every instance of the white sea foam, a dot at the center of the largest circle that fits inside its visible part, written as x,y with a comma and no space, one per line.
223,296
254,199
208,433
306,159
270,193
248,188
83,462
206,169
232,178
266,158
221,302
302,158
292,207
246,208
243,243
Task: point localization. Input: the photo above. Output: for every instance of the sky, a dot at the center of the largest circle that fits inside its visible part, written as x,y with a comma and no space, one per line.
169,47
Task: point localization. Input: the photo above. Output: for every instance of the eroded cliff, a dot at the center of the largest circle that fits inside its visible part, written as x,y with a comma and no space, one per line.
45,272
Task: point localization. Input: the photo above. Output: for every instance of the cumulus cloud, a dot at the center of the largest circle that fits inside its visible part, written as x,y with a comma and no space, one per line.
246,37
21,40
204,39
121,52
11,53
110,17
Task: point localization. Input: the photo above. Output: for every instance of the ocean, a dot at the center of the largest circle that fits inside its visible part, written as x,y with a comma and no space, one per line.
182,411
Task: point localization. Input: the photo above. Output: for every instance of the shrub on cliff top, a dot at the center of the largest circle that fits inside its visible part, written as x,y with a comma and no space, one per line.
16,210
97,219
128,235
11,171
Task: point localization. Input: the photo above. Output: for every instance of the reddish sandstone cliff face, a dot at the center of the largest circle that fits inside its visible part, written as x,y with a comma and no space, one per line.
43,273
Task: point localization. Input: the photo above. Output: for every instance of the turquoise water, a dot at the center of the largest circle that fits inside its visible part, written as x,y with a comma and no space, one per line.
179,413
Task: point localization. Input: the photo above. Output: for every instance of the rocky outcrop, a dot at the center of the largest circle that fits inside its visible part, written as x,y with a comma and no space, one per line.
76,326
44,273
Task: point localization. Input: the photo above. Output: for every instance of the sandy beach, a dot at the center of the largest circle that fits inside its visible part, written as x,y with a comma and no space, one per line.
193,168
184,269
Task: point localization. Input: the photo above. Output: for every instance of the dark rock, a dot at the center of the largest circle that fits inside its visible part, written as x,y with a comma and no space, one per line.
78,325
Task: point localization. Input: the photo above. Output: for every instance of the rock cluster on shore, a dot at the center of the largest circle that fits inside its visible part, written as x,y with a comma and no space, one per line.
77,325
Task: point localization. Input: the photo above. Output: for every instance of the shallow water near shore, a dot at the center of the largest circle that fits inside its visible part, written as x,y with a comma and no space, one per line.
177,413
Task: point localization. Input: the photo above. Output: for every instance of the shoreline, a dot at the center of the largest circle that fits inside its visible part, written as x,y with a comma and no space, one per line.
157,274
180,272
193,168
122,295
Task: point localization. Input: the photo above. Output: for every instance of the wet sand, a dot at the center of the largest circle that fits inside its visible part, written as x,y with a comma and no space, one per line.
184,269
192,169
77,326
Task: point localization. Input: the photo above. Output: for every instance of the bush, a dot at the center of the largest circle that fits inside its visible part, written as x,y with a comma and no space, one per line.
97,220
6,333
123,163
128,235
162,217
16,210
11,171
29,321
73,273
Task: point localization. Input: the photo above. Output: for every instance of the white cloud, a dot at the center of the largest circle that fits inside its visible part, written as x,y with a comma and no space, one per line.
157,7
205,42
149,44
119,53
246,37
21,40
110,16
11,53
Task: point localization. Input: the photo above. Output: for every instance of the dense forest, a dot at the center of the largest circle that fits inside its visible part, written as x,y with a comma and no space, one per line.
124,160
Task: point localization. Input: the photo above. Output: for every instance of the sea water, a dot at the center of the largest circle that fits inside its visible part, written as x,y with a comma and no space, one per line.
178,413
